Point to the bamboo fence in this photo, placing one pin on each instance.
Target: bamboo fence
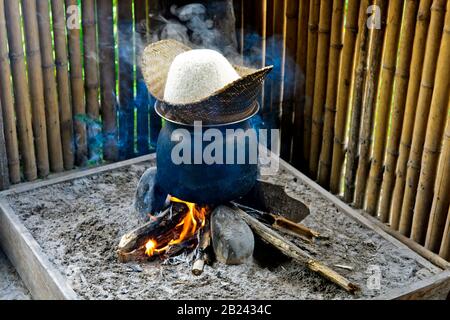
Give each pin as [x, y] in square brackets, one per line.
[402, 75]
[419, 45]
[320, 84]
[54, 132]
[369, 104]
[357, 101]
[344, 91]
[361, 110]
[422, 112]
[324, 166]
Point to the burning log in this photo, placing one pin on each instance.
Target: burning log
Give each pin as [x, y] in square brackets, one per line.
[294, 252]
[134, 241]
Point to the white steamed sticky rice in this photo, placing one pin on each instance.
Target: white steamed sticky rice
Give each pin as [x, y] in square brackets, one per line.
[196, 74]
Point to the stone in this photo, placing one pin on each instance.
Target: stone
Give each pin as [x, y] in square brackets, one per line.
[232, 238]
[149, 198]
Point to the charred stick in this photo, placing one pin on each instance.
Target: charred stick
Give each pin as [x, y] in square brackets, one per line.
[282, 224]
[203, 256]
[291, 250]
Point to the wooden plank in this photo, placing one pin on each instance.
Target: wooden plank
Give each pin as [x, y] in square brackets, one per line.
[436, 287]
[370, 223]
[39, 275]
[74, 174]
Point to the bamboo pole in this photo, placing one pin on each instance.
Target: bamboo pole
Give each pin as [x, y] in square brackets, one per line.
[141, 30]
[278, 52]
[431, 148]
[77, 85]
[398, 106]
[358, 92]
[369, 103]
[384, 104]
[291, 17]
[91, 79]
[313, 25]
[441, 199]
[21, 90]
[126, 103]
[420, 40]
[155, 120]
[343, 94]
[62, 75]
[50, 88]
[320, 90]
[4, 171]
[299, 95]
[331, 94]
[36, 85]
[7, 101]
[422, 112]
[444, 252]
[266, 114]
[107, 78]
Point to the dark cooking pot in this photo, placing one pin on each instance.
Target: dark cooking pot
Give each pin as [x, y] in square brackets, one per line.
[204, 183]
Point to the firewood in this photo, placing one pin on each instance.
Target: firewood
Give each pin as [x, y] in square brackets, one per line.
[157, 228]
[294, 252]
[203, 256]
[283, 224]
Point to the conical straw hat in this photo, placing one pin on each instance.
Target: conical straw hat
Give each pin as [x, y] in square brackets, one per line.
[233, 102]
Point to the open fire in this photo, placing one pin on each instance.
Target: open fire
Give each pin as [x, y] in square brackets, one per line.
[194, 221]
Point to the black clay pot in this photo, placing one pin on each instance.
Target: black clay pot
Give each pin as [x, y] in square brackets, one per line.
[198, 180]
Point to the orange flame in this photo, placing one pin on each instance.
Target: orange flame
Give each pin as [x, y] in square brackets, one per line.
[194, 220]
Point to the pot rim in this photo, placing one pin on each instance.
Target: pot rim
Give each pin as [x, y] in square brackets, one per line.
[255, 111]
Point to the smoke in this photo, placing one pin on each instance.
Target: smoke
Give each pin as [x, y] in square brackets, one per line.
[211, 26]
[200, 26]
